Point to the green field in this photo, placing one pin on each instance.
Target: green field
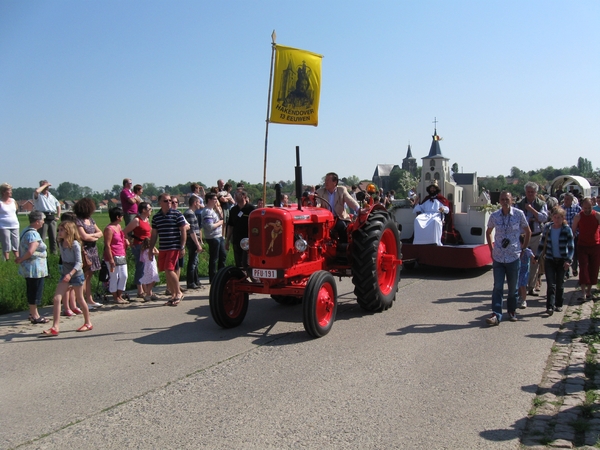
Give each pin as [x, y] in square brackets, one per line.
[12, 286]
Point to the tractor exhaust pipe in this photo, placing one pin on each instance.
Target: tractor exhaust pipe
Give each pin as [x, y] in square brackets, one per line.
[298, 179]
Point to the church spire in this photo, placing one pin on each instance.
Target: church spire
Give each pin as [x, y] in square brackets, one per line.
[435, 149]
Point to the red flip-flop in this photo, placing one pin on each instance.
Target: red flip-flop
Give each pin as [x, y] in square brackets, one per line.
[85, 327]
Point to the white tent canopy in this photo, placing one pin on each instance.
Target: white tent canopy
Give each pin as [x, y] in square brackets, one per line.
[571, 183]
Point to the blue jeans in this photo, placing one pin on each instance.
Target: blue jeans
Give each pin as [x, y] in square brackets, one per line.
[216, 256]
[510, 271]
[136, 250]
[191, 276]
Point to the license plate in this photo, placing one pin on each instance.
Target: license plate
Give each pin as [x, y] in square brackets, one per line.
[264, 273]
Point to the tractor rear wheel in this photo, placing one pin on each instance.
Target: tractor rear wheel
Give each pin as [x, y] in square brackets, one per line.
[228, 307]
[376, 249]
[319, 304]
[287, 299]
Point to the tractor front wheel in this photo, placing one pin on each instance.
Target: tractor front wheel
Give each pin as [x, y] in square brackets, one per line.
[319, 304]
[228, 307]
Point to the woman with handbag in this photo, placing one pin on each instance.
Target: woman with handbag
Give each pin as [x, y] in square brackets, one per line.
[89, 234]
[557, 244]
[115, 248]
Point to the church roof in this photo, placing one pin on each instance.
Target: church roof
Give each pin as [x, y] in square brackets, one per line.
[435, 151]
[383, 170]
[409, 153]
[464, 178]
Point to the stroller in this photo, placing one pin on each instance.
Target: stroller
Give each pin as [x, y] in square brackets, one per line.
[103, 294]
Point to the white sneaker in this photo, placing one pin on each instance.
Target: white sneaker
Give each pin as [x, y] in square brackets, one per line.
[492, 320]
[523, 304]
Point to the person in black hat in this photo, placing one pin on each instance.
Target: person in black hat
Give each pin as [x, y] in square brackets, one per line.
[430, 214]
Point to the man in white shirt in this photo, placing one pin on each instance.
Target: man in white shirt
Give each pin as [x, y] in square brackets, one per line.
[45, 202]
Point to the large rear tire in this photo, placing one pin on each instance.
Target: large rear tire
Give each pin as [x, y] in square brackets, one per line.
[227, 307]
[319, 304]
[376, 248]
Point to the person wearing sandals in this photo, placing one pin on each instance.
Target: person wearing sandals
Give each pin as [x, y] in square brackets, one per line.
[115, 251]
[139, 229]
[170, 225]
[89, 234]
[557, 246]
[69, 245]
[33, 264]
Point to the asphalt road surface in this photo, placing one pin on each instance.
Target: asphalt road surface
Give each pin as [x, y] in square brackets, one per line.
[426, 374]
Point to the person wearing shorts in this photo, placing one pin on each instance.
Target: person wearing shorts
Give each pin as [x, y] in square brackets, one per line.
[170, 226]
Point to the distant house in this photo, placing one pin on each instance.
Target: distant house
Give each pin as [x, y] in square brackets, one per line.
[67, 205]
[25, 205]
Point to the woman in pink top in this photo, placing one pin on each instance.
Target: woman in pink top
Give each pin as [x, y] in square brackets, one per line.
[115, 248]
[587, 222]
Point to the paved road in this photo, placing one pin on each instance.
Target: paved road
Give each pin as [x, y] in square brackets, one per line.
[425, 374]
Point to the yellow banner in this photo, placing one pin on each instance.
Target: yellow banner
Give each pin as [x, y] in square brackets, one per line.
[296, 87]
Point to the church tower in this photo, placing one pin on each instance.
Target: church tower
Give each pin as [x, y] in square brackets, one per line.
[436, 170]
[409, 163]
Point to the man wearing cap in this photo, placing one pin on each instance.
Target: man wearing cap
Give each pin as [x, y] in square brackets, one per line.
[45, 202]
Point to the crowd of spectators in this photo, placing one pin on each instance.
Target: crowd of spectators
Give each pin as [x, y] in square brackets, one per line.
[132, 229]
[562, 234]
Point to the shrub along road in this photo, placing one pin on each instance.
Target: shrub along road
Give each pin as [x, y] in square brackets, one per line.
[428, 373]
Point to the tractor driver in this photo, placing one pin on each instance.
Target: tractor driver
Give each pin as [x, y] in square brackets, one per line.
[335, 199]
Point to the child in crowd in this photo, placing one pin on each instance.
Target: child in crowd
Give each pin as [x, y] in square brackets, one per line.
[69, 302]
[527, 256]
[150, 276]
[72, 275]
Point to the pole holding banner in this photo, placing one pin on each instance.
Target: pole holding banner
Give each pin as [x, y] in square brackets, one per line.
[273, 38]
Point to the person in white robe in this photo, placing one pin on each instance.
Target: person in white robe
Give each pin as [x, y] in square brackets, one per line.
[429, 221]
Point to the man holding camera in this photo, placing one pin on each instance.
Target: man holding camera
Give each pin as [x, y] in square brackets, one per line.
[536, 213]
[45, 202]
[509, 223]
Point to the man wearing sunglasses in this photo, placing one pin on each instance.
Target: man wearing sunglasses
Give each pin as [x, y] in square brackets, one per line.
[169, 228]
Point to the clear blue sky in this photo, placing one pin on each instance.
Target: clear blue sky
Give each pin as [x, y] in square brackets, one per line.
[175, 91]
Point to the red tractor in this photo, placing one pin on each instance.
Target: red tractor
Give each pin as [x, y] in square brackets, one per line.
[294, 255]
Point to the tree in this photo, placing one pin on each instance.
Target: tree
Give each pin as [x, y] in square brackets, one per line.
[22, 193]
[515, 172]
[402, 181]
[150, 190]
[69, 191]
[115, 191]
[584, 166]
[455, 168]
[351, 180]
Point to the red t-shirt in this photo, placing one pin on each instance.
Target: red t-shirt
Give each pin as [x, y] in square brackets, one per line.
[589, 230]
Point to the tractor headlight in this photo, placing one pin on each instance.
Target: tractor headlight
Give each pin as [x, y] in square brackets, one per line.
[301, 245]
[245, 244]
